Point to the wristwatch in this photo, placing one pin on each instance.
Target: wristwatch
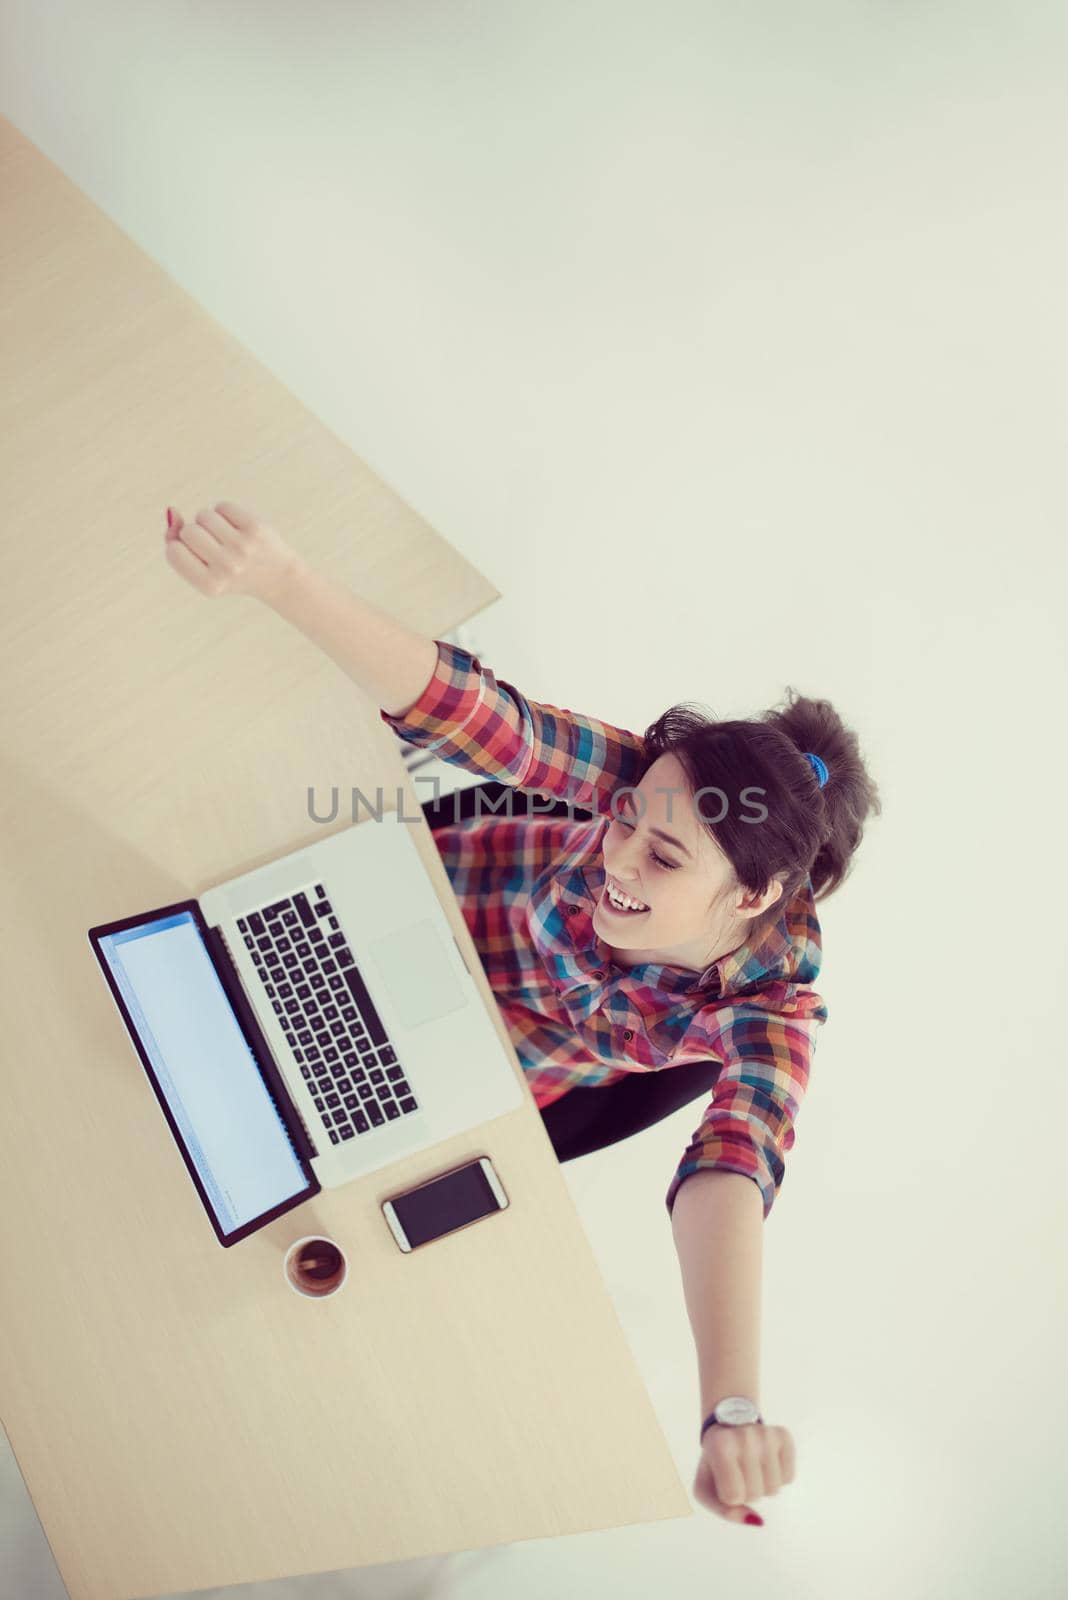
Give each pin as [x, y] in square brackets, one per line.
[734, 1411]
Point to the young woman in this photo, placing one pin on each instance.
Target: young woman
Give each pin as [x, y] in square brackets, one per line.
[679, 925]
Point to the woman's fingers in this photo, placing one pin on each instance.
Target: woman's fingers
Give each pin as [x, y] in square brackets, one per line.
[221, 530]
[235, 514]
[235, 552]
[190, 566]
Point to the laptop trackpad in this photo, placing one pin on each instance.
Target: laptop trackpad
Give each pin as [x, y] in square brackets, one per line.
[416, 970]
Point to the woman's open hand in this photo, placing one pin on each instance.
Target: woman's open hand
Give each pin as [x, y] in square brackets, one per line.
[741, 1464]
[229, 550]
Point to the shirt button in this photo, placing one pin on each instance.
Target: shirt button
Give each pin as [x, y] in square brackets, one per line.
[572, 911]
[598, 974]
[627, 1034]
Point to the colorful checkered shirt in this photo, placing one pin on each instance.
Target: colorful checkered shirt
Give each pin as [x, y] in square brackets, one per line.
[527, 887]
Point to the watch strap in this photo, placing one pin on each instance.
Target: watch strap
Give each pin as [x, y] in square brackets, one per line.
[712, 1421]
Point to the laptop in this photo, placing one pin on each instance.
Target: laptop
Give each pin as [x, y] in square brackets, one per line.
[307, 1023]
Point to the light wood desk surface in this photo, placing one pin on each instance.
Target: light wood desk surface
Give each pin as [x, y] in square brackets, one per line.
[180, 1417]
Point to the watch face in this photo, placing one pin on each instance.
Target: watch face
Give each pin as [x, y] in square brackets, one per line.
[737, 1410]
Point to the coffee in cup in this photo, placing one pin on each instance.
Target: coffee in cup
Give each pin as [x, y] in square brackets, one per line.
[315, 1266]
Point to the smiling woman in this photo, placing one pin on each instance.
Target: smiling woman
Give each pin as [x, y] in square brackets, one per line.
[658, 852]
[722, 832]
[724, 827]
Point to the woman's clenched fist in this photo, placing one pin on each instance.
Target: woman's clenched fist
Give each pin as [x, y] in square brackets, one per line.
[229, 550]
[741, 1464]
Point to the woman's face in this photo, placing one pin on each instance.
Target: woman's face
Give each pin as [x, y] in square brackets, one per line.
[658, 851]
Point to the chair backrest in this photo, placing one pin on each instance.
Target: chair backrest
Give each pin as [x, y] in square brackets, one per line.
[587, 1118]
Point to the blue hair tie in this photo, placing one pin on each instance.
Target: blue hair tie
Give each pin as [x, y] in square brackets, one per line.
[819, 767]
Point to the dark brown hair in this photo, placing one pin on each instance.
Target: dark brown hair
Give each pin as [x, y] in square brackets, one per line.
[807, 830]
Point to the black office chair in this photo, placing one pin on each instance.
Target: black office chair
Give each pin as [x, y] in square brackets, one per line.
[585, 1118]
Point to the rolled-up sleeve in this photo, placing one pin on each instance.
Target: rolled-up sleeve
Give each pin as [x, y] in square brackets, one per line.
[467, 716]
[748, 1126]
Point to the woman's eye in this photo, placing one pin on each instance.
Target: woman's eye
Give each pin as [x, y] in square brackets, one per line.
[670, 866]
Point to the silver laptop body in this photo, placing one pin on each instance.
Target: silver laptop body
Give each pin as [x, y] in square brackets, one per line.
[424, 1060]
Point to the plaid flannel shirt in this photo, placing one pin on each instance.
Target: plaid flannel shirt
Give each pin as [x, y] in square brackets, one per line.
[527, 887]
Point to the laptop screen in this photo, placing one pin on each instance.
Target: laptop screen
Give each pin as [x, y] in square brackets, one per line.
[232, 1132]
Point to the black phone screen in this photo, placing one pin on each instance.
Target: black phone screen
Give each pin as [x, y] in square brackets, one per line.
[444, 1204]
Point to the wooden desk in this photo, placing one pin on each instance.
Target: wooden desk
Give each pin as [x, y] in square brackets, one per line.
[181, 1418]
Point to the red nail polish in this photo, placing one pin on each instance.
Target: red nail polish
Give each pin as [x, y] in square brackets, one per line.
[752, 1517]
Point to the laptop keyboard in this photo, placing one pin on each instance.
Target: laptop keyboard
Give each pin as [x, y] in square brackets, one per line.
[328, 1018]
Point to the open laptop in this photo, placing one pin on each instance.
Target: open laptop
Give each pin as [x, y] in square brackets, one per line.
[307, 1023]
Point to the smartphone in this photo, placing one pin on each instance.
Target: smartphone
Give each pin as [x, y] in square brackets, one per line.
[452, 1200]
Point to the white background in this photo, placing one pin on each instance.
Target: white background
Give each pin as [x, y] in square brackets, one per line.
[729, 341]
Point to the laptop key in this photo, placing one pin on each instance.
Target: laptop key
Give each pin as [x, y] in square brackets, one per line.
[386, 1055]
[374, 1111]
[360, 1121]
[348, 1131]
[392, 1111]
[364, 1005]
[352, 1101]
[408, 1105]
[255, 922]
[335, 1137]
[394, 1073]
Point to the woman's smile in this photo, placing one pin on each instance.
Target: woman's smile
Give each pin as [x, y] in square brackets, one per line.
[619, 911]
